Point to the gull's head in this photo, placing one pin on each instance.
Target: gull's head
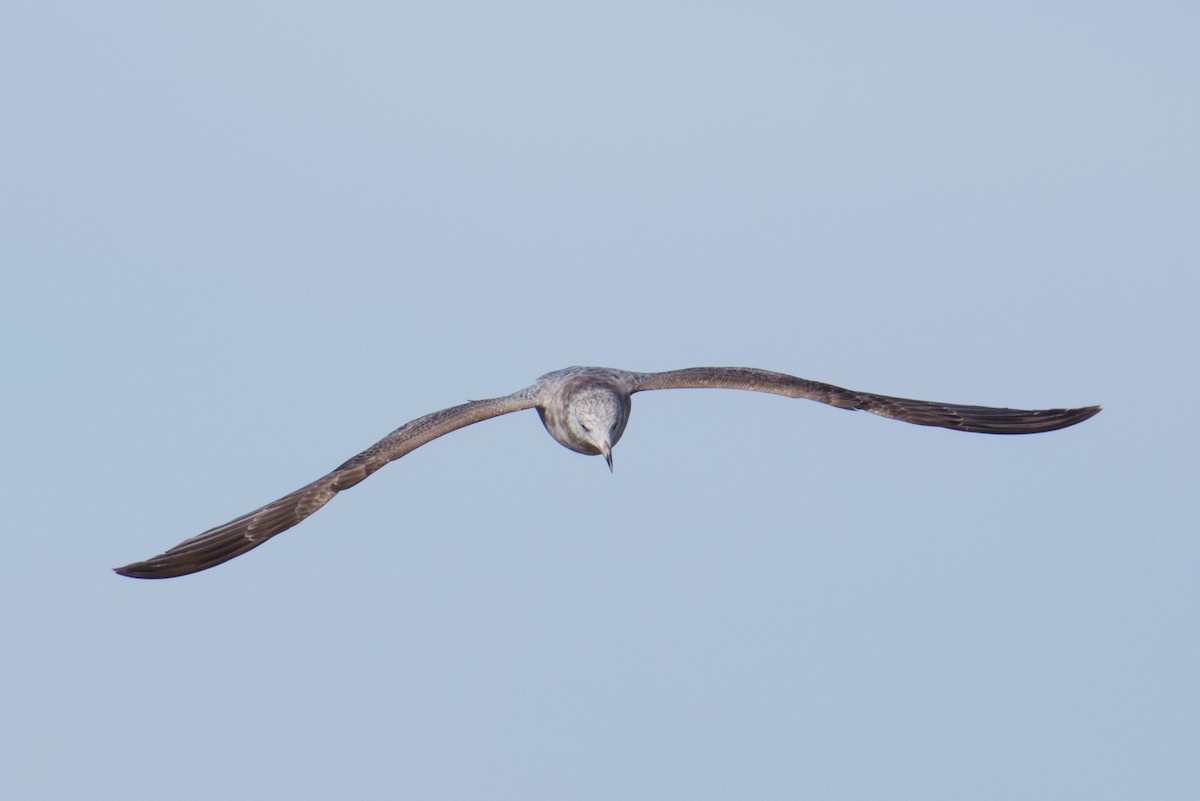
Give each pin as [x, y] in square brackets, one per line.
[599, 424]
[586, 413]
[596, 418]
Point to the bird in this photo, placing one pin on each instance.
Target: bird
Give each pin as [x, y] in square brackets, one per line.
[585, 409]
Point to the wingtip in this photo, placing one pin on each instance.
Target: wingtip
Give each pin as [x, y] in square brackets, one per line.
[1065, 418]
[152, 569]
[1056, 419]
[134, 570]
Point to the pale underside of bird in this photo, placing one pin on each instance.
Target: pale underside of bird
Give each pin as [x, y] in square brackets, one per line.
[585, 409]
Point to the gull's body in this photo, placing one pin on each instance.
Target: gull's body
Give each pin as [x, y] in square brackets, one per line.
[585, 409]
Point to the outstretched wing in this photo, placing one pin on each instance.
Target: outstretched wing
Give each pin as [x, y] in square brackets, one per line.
[239, 535]
[980, 419]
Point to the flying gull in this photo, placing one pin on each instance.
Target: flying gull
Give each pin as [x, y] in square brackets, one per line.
[585, 409]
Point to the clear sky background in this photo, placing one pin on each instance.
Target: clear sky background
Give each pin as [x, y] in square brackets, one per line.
[243, 241]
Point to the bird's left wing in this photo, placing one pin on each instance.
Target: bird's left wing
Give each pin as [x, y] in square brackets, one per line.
[979, 419]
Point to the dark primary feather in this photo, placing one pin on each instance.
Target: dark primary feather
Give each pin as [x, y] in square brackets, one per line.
[978, 419]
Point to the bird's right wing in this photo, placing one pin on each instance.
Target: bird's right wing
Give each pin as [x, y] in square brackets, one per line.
[979, 419]
[252, 529]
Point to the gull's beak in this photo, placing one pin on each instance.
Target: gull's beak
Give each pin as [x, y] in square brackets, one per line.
[606, 449]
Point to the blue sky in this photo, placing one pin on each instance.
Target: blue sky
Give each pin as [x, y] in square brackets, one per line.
[241, 242]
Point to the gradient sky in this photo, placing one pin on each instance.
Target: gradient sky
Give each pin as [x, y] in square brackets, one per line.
[243, 241]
